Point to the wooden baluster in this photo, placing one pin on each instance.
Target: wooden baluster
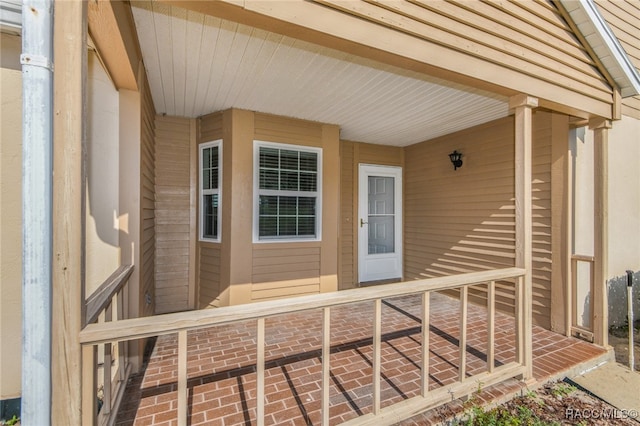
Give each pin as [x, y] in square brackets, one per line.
[462, 367]
[106, 366]
[122, 359]
[519, 320]
[592, 281]
[491, 325]
[89, 380]
[260, 341]
[570, 302]
[425, 342]
[326, 369]
[182, 378]
[377, 337]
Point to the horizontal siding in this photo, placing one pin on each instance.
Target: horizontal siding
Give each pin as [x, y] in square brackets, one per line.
[623, 17]
[209, 128]
[378, 154]
[148, 197]
[541, 189]
[464, 220]
[273, 128]
[279, 272]
[209, 276]
[286, 269]
[347, 260]
[529, 37]
[172, 213]
[352, 154]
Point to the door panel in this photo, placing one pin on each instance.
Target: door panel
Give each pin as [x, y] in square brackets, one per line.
[380, 233]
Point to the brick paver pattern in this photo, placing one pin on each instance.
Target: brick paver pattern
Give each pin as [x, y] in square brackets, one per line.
[222, 378]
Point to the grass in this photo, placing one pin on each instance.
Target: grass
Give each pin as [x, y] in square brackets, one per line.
[502, 417]
[521, 411]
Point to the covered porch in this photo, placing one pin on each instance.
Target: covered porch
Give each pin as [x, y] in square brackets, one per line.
[363, 356]
[495, 236]
[221, 365]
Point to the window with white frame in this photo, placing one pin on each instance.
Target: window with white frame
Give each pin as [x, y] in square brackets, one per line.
[210, 194]
[287, 202]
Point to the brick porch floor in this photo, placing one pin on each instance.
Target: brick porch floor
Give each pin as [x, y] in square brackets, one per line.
[222, 379]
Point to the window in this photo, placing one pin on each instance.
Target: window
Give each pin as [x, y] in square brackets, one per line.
[287, 202]
[210, 196]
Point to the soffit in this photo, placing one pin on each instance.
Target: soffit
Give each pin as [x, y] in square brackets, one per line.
[199, 64]
[11, 16]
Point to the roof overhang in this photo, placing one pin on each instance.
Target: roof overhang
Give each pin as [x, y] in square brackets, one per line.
[605, 45]
[197, 64]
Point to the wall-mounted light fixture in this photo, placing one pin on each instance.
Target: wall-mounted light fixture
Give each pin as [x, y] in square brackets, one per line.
[456, 159]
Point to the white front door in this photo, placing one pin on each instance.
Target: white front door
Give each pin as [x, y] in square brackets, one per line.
[379, 223]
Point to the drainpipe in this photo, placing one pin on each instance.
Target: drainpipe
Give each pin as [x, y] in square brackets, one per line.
[630, 313]
[37, 141]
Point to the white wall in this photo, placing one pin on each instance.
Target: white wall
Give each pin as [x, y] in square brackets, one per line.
[102, 235]
[624, 216]
[102, 238]
[582, 149]
[10, 217]
[624, 213]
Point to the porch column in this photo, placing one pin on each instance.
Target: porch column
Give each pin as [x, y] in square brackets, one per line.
[599, 302]
[69, 117]
[523, 105]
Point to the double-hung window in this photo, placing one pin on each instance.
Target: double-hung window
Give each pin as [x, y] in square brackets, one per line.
[287, 201]
[210, 194]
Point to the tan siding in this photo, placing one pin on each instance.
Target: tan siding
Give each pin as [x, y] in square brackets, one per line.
[463, 220]
[286, 269]
[541, 188]
[623, 17]
[379, 154]
[348, 277]
[274, 128]
[528, 37]
[209, 284]
[172, 213]
[210, 127]
[147, 192]
[279, 272]
[208, 254]
[352, 154]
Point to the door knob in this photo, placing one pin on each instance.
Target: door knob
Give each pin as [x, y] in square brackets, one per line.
[362, 223]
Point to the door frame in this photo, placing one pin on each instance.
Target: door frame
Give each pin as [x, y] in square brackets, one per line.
[364, 171]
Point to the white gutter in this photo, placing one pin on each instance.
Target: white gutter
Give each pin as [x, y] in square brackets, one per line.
[37, 188]
[591, 24]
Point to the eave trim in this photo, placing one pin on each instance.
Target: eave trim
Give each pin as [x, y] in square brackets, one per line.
[604, 44]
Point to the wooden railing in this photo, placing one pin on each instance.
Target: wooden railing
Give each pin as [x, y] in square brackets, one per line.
[576, 329]
[99, 310]
[181, 323]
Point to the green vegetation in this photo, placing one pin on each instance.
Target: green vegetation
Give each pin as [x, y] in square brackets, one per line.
[502, 417]
[525, 410]
[12, 421]
[562, 389]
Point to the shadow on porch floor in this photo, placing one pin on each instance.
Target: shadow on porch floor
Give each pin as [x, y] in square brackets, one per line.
[222, 378]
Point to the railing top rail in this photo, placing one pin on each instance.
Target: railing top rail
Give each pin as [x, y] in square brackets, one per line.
[101, 298]
[583, 257]
[138, 328]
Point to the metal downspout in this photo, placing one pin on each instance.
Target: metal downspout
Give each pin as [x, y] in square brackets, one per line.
[37, 165]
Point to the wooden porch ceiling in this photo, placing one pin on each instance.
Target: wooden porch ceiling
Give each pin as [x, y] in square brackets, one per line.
[199, 64]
